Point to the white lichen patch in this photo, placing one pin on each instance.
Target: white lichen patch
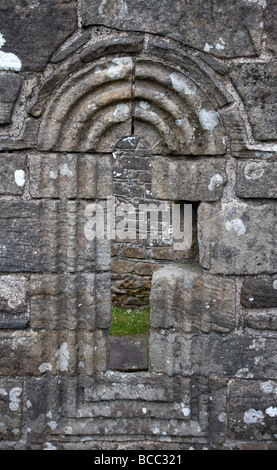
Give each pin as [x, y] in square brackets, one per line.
[46, 366]
[2, 40]
[185, 410]
[253, 416]
[120, 9]
[53, 175]
[52, 425]
[275, 284]
[254, 170]
[222, 417]
[14, 397]
[20, 178]
[183, 84]
[208, 47]
[8, 60]
[271, 411]
[237, 225]
[122, 112]
[220, 46]
[267, 387]
[215, 182]
[49, 446]
[62, 356]
[209, 120]
[116, 69]
[65, 171]
[144, 105]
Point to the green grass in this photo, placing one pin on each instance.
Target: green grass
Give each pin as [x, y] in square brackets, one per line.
[127, 322]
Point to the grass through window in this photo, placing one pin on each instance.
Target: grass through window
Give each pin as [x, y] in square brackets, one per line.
[127, 322]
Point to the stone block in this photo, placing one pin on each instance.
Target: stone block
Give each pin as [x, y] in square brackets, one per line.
[70, 301]
[170, 353]
[259, 293]
[270, 30]
[252, 410]
[50, 236]
[21, 24]
[236, 238]
[256, 179]
[126, 45]
[188, 180]
[256, 85]
[140, 386]
[13, 294]
[70, 176]
[11, 394]
[128, 354]
[260, 320]
[251, 355]
[35, 353]
[12, 174]
[198, 25]
[134, 252]
[10, 84]
[186, 299]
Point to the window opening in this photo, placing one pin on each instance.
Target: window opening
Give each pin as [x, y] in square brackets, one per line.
[142, 243]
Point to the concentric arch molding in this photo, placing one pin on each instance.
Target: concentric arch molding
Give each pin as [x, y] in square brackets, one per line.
[127, 86]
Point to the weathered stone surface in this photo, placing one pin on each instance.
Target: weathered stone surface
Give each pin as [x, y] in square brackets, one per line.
[33, 353]
[49, 236]
[260, 320]
[117, 386]
[186, 299]
[70, 301]
[12, 174]
[171, 353]
[127, 45]
[251, 355]
[256, 179]
[236, 238]
[10, 84]
[259, 293]
[188, 180]
[74, 46]
[159, 427]
[97, 99]
[199, 25]
[256, 85]
[192, 66]
[70, 176]
[14, 324]
[13, 294]
[173, 114]
[128, 353]
[252, 412]
[26, 138]
[22, 23]
[11, 394]
[271, 12]
[134, 252]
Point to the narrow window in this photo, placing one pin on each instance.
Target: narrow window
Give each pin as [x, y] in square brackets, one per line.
[142, 243]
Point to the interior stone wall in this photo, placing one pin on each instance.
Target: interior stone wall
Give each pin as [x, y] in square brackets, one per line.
[202, 96]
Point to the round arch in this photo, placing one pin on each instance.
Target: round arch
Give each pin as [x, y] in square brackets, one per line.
[158, 92]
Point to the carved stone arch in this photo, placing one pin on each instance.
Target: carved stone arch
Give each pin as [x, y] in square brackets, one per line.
[121, 87]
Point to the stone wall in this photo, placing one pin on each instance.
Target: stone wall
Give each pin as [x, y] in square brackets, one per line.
[193, 88]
